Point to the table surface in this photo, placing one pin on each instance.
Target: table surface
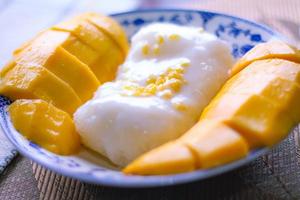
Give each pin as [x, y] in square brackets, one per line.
[273, 176]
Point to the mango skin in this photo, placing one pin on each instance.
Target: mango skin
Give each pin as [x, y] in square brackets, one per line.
[44, 124]
[32, 82]
[270, 49]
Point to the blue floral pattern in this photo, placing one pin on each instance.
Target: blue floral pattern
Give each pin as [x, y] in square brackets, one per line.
[242, 35]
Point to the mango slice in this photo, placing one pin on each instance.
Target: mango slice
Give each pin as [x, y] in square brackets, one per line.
[32, 82]
[43, 46]
[60, 62]
[214, 143]
[207, 144]
[21, 114]
[255, 117]
[105, 67]
[111, 28]
[271, 49]
[44, 124]
[87, 33]
[170, 158]
[73, 72]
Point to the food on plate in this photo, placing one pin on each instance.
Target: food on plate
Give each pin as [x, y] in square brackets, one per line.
[256, 107]
[147, 118]
[77, 54]
[46, 125]
[271, 49]
[169, 76]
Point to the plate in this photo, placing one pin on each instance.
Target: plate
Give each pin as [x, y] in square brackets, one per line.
[93, 168]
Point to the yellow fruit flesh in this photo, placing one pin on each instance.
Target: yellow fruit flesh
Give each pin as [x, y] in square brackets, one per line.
[255, 117]
[256, 99]
[83, 52]
[214, 143]
[21, 114]
[105, 67]
[271, 49]
[51, 128]
[87, 33]
[111, 28]
[46, 44]
[170, 158]
[25, 82]
[60, 62]
[72, 71]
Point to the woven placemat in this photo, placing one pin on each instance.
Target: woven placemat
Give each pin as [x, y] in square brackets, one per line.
[18, 182]
[273, 176]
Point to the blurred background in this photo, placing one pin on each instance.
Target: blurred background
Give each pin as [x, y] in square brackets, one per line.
[22, 19]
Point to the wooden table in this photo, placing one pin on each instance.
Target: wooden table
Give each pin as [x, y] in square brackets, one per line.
[274, 176]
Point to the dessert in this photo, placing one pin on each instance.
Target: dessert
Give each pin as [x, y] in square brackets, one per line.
[171, 73]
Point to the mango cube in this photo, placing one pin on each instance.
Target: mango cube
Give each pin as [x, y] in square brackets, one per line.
[44, 124]
[31, 82]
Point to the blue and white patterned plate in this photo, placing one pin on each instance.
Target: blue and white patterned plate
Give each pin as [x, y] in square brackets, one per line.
[90, 167]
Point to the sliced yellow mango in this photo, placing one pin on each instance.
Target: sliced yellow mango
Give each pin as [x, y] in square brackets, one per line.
[51, 128]
[32, 82]
[170, 158]
[111, 28]
[44, 45]
[75, 73]
[271, 49]
[255, 117]
[82, 51]
[105, 68]
[214, 143]
[21, 114]
[87, 33]
[60, 62]
[278, 83]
